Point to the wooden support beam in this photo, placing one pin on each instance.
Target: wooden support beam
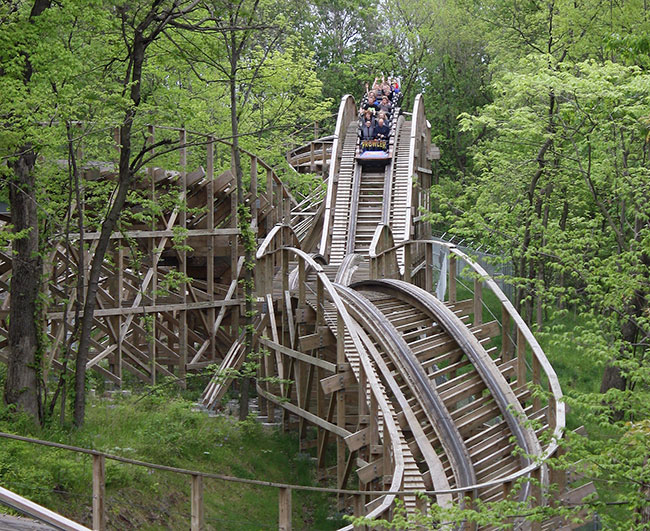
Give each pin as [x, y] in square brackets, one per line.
[478, 301]
[506, 342]
[428, 268]
[322, 338]
[292, 408]
[338, 381]
[357, 440]
[452, 278]
[371, 471]
[297, 354]
[521, 358]
[99, 493]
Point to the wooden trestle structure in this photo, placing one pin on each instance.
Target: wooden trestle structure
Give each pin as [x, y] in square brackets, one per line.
[378, 345]
[149, 322]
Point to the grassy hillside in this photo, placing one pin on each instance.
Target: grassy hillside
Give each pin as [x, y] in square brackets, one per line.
[163, 429]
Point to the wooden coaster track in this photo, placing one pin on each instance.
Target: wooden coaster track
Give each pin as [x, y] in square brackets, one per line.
[417, 390]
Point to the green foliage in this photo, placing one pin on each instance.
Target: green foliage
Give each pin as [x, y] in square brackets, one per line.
[559, 183]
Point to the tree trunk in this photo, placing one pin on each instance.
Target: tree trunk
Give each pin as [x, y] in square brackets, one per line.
[124, 184]
[23, 371]
[612, 376]
[248, 257]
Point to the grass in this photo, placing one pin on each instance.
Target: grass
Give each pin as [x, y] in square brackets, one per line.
[164, 429]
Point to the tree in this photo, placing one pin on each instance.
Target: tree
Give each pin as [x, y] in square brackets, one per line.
[141, 25]
[561, 185]
[23, 26]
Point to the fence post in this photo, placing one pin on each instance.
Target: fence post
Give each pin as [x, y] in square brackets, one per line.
[197, 503]
[284, 513]
[521, 358]
[99, 476]
[452, 278]
[428, 272]
[478, 301]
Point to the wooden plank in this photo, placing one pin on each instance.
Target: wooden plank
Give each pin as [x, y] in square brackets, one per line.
[357, 440]
[297, 355]
[34, 510]
[99, 492]
[168, 233]
[371, 471]
[341, 432]
[322, 338]
[160, 308]
[197, 514]
[284, 509]
[338, 381]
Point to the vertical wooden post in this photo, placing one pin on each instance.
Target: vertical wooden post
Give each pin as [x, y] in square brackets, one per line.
[154, 262]
[321, 449]
[521, 358]
[198, 522]
[320, 308]
[536, 495]
[268, 361]
[270, 216]
[469, 498]
[537, 380]
[558, 475]
[120, 298]
[340, 406]
[452, 278]
[428, 262]
[507, 489]
[284, 506]
[183, 255]
[302, 280]
[408, 263]
[286, 207]
[234, 257]
[254, 193]
[359, 509]
[506, 342]
[478, 301]
[323, 164]
[99, 486]
[210, 251]
[551, 416]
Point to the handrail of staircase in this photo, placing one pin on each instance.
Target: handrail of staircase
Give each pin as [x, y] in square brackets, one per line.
[34, 510]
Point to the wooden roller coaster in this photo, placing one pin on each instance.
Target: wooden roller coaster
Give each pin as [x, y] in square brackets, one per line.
[370, 342]
[378, 344]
